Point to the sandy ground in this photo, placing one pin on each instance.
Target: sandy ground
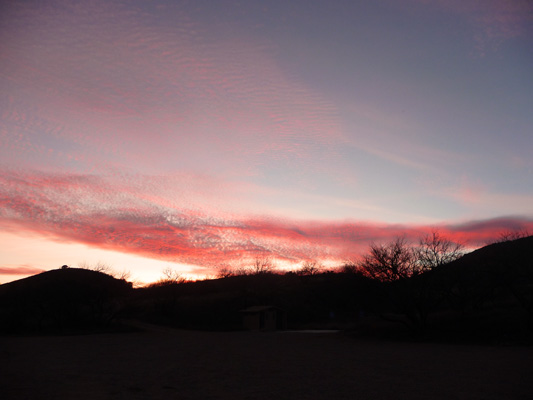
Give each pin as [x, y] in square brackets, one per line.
[172, 364]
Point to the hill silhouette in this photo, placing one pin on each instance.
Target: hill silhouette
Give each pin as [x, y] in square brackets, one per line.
[486, 295]
[61, 300]
[490, 291]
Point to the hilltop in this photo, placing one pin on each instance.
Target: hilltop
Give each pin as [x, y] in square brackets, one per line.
[62, 300]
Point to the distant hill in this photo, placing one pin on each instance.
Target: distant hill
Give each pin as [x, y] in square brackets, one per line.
[519, 251]
[61, 300]
[505, 264]
[489, 292]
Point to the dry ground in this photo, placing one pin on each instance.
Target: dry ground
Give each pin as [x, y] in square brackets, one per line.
[174, 364]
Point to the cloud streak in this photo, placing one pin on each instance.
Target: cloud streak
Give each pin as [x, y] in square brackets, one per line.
[99, 95]
[20, 270]
[90, 210]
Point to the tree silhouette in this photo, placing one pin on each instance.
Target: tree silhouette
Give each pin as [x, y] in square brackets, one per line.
[171, 276]
[309, 268]
[390, 262]
[407, 276]
[262, 265]
[435, 250]
[224, 271]
[511, 235]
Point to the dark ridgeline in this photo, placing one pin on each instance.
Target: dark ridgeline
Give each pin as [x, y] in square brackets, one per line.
[62, 300]
[489, 293]
[486, 295]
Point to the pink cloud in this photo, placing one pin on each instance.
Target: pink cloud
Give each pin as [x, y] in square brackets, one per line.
[89, 210]
[20, 270]
[467, 192]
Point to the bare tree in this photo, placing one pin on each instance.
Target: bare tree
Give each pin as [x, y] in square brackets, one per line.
[510, 235]
[242, 271]
[224, 272]
[123, 275]
[405, 269]
[170, 276]
[100, 266]
[263, 265]
[104, 268]
[399, 260]
[309, 268]
[435, 250]
[390, 262]
[350, 267]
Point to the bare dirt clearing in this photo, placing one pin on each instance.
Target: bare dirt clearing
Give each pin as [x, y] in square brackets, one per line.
[174, 364]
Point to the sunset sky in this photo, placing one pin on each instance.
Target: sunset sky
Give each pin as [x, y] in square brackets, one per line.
[201, 134]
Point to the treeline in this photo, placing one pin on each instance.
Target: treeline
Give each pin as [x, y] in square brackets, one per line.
[428, 289]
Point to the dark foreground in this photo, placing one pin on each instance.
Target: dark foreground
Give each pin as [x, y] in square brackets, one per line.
[163, 363]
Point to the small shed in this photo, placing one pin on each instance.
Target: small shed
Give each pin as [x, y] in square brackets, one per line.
[264, 318]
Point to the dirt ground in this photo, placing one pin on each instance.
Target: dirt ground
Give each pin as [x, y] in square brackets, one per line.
[163, 363]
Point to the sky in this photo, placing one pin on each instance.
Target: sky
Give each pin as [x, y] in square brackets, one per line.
[199, 135]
